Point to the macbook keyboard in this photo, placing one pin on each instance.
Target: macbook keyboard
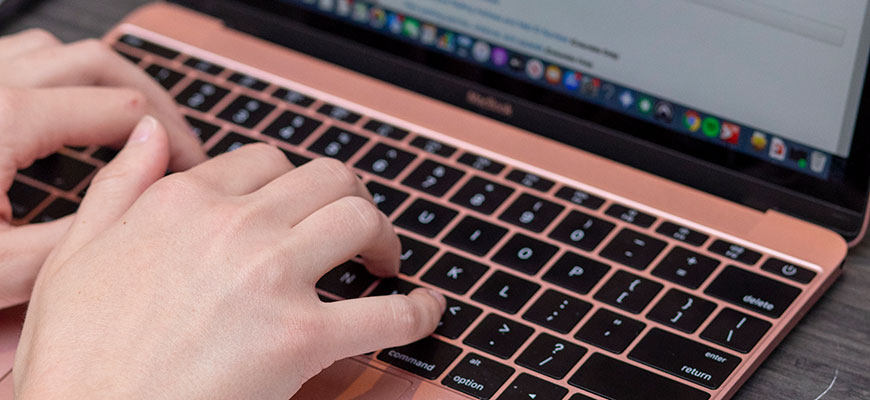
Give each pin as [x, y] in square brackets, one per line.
[553, 292]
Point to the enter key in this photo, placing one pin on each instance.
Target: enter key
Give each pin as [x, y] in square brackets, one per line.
[685, 358]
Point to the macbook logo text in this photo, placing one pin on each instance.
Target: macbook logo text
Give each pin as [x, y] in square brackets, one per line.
[489, 103]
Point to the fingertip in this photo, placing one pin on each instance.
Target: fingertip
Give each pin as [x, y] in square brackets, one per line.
[434, 303]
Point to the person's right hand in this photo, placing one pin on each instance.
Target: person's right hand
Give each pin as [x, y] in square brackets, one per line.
[203, 287]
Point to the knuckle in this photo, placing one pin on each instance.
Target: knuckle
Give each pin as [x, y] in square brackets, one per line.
[337, 172]
[135, 100]
[172, 189]
[407, 315]
[94, 48]
[269, 154]
[362, 213]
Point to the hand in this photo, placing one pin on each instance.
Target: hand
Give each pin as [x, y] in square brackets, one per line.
[203, 287]
[53, 95]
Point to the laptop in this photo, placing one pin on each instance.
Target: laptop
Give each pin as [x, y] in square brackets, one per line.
[620, 200]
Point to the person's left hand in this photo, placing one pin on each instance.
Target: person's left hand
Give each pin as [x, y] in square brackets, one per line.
[54, 95]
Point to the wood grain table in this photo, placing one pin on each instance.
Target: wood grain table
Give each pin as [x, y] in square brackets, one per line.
[827, 353]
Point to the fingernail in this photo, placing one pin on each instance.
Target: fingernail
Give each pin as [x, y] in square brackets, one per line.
[143, 130]
[438, 296]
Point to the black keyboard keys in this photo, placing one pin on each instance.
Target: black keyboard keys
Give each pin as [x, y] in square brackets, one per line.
[427, 357]
[607, 377]
[530, 180]
[232, 141]
[150, 47]
[735, 252]
[291, 127]
[104, 154]
[582, 231]
[610, 331]
[339, 113]
[433, 178]
[60, 171]
[628, 292]
[525, 254]
[201, 95]
[246, 111]
[57, 209]
[433, 147]
[551, 356]
[338, 143]
[685, 267]
[684, 358]
[386, 198]
[788, 270]
[348, 280]
[390, 286]
[164, 76]
[386, 130]
[577, 273]
[481, 195]
[681, 310]
[203, 130]
[557, 311]
[454, 273]
[457, 317]
[478, 376]
[481, 163]
[682, 234]
[385, 161]
[295, 159]
[248, 81]
[752, 291]
[633, 249]
[531, 213]
[580, 198]
[204, 66]
[527, 387]
[24, 199]
[293, 97]
[474, 236]
[631, 215]
[736, 330]
[414, 255]
[425, 218]
[505, 292]
[498, 336]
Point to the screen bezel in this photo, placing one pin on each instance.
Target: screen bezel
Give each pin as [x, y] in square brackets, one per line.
[839, 206]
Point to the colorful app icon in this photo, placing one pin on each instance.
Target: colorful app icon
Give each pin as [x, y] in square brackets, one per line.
[626, 99]
[517, 63]
[710, 126]
[535, 69]
[429, 34]
[481, 51]
[777, 149]
[758, 141]
[463, 45]
[343, 8]
[590, 86]
[692, 121]
[799, 156]
[411, 28]
[818, 160]
[394, 23]
[664, 112]
[730, 133]
[499, 56]
[360, 12]
[644, 105]
[553, 75]
[379, 18]
[446, 42]
[571, 80]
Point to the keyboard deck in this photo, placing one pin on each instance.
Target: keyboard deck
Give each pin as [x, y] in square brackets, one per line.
[553, 292]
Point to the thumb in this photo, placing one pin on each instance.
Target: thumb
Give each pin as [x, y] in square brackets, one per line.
[22, 252]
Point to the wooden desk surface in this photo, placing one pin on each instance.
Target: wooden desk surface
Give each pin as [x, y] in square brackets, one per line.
[831, 344]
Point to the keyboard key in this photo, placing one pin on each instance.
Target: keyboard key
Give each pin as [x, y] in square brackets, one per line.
[24, 199]
[425, 218]
[531, 212]
[248, 81]
[386, 198]
[498, 336]
[481, 163]
[681, 310]
[414, 255]
[295, 159]
[386, 130]
[628, 291]
[580, 198]
[457, 317]
[684, 358]
[60, 171]
[104, 154]
[527, 387]
[133, 59]
[338, 143]
[57, 209]
[164, 76]
[685, 267]
[735, 252]
[204, 66]
[433, 178]
[348, 280]
[391, 286]
[454, 273]
[339, 113]
[293, 97]
[203, 130]
[505, 292]
[582, 231]
[385, 161]
[481, 195]
[433, 147]
[631, 215]
[474, 236]
[291, 127]
[752, 291]
[610, 331]
[427, 357]
[551, 356]
[142, 44]
[525, 254]
[579, 396]
[633, 249]
[246, 111]
[478, 376]
[232, 141]
[788, 270]
[201, 95]
[607, 378]
[682, 234]
[557, 311]
[736, 330]
[530, 180]
[576, 273]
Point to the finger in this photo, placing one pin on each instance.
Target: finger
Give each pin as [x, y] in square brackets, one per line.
[339, 231]
[244, 170]
[92, 62]
[116, 186]
[358, 326]
[24, 42]
[24, 250]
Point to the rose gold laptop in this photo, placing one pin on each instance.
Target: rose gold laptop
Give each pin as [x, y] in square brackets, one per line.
[620, 200]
